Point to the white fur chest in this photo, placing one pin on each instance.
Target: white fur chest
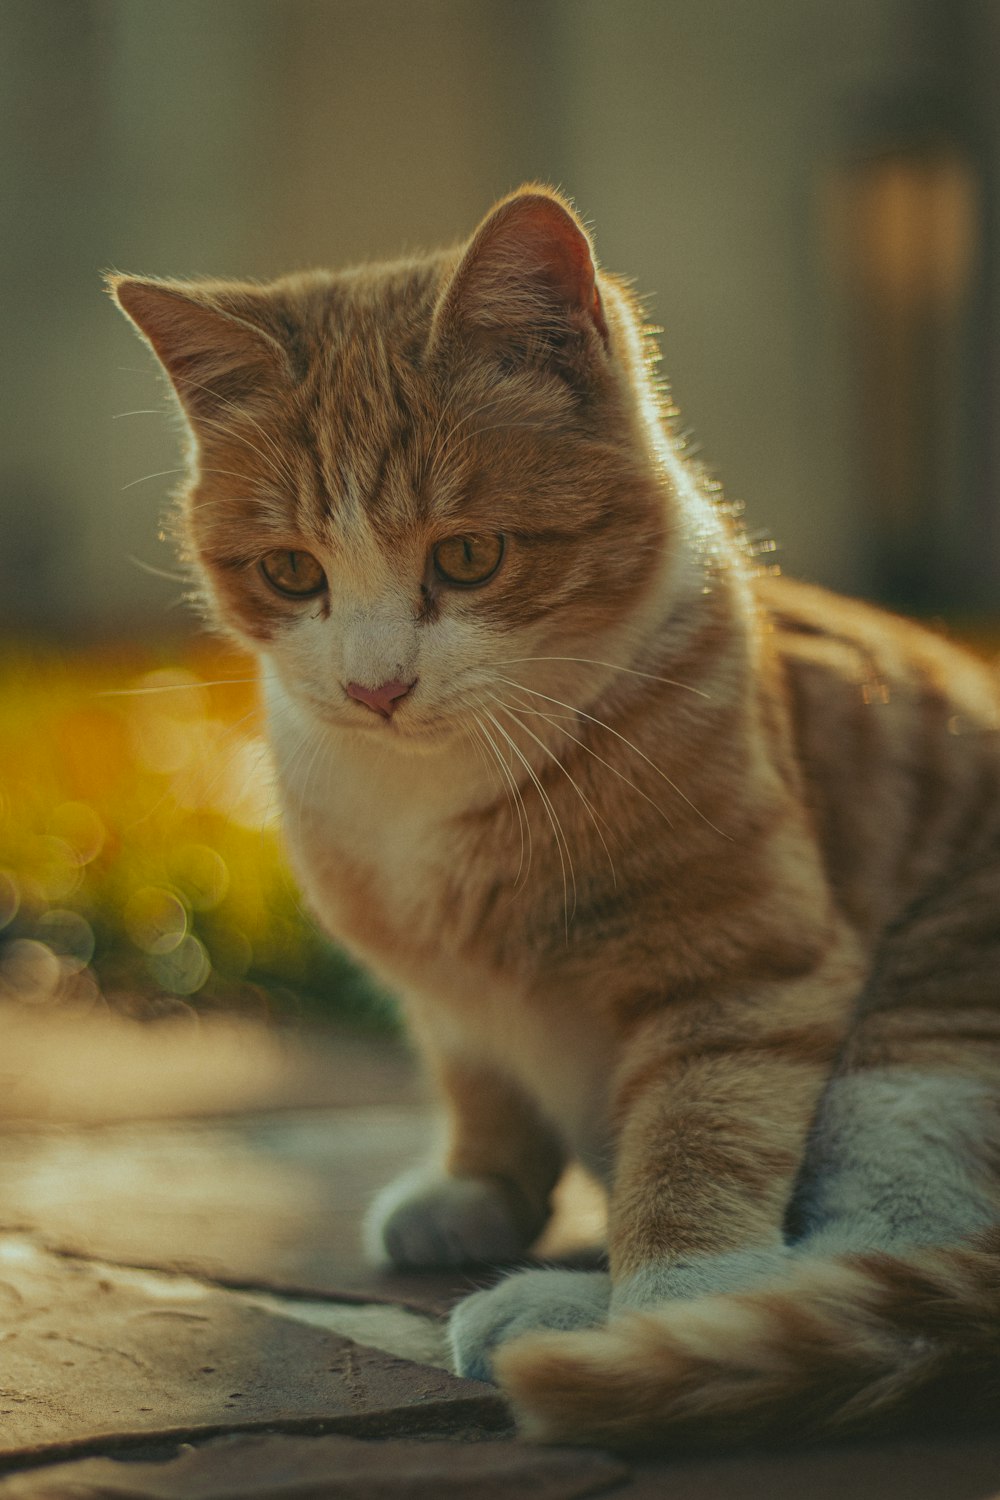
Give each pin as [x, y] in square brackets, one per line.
[358, 816]
[352, 805]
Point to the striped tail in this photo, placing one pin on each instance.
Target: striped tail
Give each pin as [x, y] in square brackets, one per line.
[863, 1344]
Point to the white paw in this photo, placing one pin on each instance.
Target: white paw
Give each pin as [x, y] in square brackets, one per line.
[425, 1220]
[700, 1276]
[564, 1300]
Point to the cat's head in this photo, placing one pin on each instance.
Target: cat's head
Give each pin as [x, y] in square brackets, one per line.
[406, 477]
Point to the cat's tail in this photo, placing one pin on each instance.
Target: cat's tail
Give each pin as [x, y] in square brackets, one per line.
[846, 1346]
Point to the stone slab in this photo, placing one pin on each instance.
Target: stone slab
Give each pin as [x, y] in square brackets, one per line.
[330, 1468]
[273, 1467]
[91, 1357]
[957, 1468]
[412, 1334]
[271, 1201]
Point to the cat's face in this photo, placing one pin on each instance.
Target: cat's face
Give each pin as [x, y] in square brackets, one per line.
[413, 481]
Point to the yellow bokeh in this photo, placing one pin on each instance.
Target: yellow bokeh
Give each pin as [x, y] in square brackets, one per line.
[139, 849]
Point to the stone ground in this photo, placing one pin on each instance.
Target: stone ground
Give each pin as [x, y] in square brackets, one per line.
[184, 1311]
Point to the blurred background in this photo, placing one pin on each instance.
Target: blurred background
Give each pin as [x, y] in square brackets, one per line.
[805, 192]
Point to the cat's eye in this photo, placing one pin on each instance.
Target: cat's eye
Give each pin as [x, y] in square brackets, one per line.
[468, 560]
[294, 573]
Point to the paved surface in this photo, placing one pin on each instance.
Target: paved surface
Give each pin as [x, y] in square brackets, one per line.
[184, 1312]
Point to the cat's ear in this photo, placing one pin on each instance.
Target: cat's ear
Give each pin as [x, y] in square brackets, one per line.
[527, 286]
[212, 350]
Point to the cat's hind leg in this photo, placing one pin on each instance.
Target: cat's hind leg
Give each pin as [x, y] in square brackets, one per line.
[898, 1160]
[905, 1149]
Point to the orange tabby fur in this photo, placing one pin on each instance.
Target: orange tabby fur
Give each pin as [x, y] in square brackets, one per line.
[655, 848]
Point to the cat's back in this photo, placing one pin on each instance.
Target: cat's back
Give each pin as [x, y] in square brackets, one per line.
[897, 732]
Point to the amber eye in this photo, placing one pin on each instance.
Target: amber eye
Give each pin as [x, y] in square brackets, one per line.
[466, 560]
[297, 574]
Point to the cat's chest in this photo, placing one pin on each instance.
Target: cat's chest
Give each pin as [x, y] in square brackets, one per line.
[368, 847]
[377, 857]
[379, 840]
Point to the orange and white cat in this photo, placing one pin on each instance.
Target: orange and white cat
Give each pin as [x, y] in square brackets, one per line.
[689, 874]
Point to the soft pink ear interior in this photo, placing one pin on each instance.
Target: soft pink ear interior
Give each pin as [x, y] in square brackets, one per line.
[530, 259]
[197, 342]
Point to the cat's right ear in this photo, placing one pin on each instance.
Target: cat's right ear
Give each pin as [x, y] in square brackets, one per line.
[212, 355]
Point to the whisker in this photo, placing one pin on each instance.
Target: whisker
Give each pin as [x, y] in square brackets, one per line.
[557, 828]
[230, 432]
[559, 718]
[157, 474]
[469, 733]
[282, 470]
[515, 799]
[314, 767]
[158, 572]
[230, 473]
[588, 805]
[593, 662]
[627, 742]
[173, 687]
[275, 460]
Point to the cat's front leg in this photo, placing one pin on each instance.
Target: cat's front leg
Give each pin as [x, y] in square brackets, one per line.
[714, 1100]
[713, 1104]
[557, 1300]
[489, 1198]
[709, 1140]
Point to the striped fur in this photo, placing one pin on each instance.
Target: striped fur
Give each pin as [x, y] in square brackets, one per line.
[688, 873]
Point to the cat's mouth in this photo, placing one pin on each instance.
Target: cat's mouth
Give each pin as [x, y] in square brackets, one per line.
[407, 736]
[404, 728]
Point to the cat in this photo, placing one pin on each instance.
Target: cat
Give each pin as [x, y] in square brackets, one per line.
[682, 870]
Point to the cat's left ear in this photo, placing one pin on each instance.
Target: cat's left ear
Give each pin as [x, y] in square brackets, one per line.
[209, 338]
[527, 286]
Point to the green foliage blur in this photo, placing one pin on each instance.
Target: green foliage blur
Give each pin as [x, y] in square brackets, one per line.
[140, 857]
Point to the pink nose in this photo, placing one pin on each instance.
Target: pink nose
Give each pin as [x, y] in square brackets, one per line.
[381, 700]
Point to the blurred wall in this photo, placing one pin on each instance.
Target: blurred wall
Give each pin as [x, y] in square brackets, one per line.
[701, 138]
